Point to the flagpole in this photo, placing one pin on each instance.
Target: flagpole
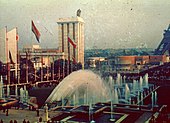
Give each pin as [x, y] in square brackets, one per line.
[18, 69]
[37, 35]
[59, 68]
[48, 68]
[41, 68]
[63, 68]
[35, 53]
[18, 59]
[35, 67]
[26, 67]
[35, 61]
[8, 64]
[53, 69]
[68, 62]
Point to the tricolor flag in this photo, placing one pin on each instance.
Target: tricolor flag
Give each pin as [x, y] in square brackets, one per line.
[36, 32]
[71, 42]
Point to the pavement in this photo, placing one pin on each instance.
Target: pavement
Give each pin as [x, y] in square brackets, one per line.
[26, 114]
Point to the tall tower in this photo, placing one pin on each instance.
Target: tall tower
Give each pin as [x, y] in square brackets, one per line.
[164, 46]
[72, 28]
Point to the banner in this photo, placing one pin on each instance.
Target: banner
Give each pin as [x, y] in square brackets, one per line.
[36, 32]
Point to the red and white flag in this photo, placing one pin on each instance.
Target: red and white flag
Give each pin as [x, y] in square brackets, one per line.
[36, 32]
[71, 42]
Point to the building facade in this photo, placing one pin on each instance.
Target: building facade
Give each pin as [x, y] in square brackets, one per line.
[72, 28]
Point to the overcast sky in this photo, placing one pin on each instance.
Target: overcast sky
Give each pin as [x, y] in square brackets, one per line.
[108, 23]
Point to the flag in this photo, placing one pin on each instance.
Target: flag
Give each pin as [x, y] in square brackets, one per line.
[10, 57]
[71, 42]
[17, 37]
[36, 32]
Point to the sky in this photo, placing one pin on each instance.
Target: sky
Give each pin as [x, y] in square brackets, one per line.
[108, 23]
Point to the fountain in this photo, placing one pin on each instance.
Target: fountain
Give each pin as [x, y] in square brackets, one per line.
[80, 83]
[118, 79]
[84, 98]
[26, 96]
[134, 86]
[110, 81]
[124, 78]
[140, 82]
[46, 112]
[116, 99]
[127, 92]
[16, 90]
[155, 97]
[8, 91]
[85, 87]
[152, 98]
[74, 99]
[141, 98]
[87, 93]
[21, 95]
[146, 80]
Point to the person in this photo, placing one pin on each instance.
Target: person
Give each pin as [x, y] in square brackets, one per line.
[40, 119]
[24, 121]
[15, 121]
[38, 112]
[28, 121]
[1, 121]
[3, 110]
[7, 112]
[11, 121]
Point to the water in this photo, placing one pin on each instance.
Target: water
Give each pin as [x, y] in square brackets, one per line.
[111, 84]
[146, 79]
[155, 98]
[118, 80]
[86, 87]
[140, 82]
[16, 90]
[81, 83]
[116, 99]
[134, 86]
[21, 95]
[141, 98]
[8, 91]
[127, 92]
[152, 97]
